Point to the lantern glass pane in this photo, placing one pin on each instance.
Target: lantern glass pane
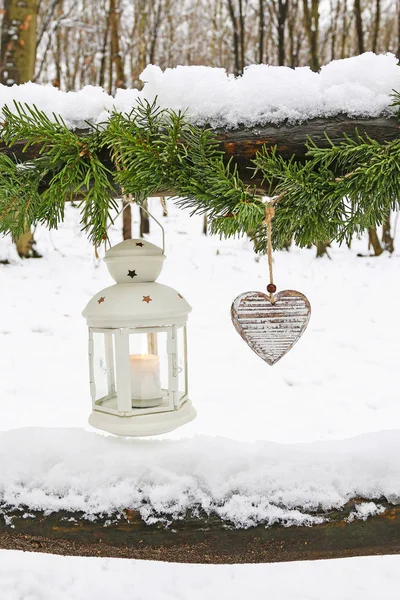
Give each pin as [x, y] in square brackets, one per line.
[182, 363]
[163, 354]
[148, 367]
[103, 365]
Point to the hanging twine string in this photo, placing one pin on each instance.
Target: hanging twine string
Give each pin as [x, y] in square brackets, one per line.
[269, 215]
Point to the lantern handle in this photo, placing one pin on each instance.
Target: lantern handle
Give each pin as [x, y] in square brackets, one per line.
[148, 214]
[158, 223]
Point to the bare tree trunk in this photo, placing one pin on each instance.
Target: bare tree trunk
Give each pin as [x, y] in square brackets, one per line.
[334, 28]
[18, 41]
[373, 241]
[282, 14]
[74, 81]
[126, 220]
[154, 33]
[17, 65]
[235, 30]
[117, 62]
[398, 30]
[344, 30]
[58, 55]
[25, 245]
[102, 71]
[322, 249]
[388, 241]
[377, 22]
[205, 225]
[359, 27]
[67, 59]
[164, 206]
[261, 28]
[242, 35]
[110, 70]
[46, 20]
[311, 23]
[292, 20]
[139, 39]
[144, 220]
[116, 56]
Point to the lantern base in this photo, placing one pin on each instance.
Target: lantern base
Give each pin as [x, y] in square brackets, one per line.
[143, 425]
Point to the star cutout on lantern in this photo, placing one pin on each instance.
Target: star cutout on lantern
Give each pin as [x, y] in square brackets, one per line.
[100, 300]
[147, 299]
[139, 244]
[132, 274]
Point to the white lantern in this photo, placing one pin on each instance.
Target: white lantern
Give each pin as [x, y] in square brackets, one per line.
[138, 346]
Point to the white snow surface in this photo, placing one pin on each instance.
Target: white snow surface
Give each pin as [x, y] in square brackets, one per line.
[359, 87]
[363, 510]
[269, 443]
[26, 576]
[244, 483]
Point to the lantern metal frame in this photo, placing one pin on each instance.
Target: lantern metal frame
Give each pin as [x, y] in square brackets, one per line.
[137, 305]
[118, 400]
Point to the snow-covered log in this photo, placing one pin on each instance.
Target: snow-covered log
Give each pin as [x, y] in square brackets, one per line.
[241, 144]
[276, 106]
[199, 499]
[203, 539]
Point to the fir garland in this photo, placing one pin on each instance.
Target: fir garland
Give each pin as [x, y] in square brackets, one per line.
[338, 192]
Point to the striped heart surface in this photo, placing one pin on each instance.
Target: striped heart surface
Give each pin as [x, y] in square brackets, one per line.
[271, 329]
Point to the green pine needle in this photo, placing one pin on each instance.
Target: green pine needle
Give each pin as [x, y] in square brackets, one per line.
[338, 192]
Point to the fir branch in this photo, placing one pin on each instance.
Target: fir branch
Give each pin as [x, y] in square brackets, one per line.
[70, 166]
[18, 196]
[338, 192]
[159, 151]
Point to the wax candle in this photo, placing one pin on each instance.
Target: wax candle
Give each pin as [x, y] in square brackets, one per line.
[145, 380]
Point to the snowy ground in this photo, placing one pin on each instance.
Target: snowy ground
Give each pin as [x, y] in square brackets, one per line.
[339, 381]
[39, 577]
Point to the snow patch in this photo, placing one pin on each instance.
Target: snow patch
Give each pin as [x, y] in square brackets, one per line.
[8, 251]
[364, 510]
[244, 483]
[36, 576]
[359, 87]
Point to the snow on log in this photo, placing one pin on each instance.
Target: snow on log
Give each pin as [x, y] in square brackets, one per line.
[199, 499]
[359, 87]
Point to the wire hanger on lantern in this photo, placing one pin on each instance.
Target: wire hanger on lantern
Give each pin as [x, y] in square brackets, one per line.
[148, 213]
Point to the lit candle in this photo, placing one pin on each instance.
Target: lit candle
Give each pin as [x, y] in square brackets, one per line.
[145, 380]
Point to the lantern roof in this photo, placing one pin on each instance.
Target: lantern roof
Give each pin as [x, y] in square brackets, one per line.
[136, 247]
[134, 261]
[147, 304]
[136, 300]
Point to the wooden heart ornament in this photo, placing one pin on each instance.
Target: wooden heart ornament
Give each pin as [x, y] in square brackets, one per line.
[271, 329]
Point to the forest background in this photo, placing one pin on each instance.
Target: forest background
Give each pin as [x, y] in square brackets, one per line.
[73, 43]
